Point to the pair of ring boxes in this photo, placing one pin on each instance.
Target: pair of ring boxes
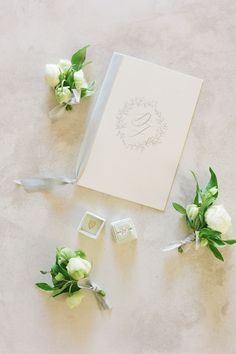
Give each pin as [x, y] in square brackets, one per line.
[91, 226]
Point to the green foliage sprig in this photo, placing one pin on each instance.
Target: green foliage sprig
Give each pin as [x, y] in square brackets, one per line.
[208, 222]
[69, 275]
[67, 79]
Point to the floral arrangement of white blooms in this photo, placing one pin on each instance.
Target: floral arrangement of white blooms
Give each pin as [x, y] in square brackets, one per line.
[209, 222]
[68, 81]
[70, 275]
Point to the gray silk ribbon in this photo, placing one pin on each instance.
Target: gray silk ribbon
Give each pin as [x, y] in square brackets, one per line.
[87, 284]
[42, 184]
[39, 184]
[176, 244]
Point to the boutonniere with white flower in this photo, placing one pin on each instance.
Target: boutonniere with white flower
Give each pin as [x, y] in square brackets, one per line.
[70, 278]
[68, 82]
[209, 222]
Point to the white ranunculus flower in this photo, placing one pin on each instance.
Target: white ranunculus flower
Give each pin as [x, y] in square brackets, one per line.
[78, 268]
[75, 299]
[192, 211]
[218, 219]
[52, 73]
[80, 81]
[64, 65]
[63, 94]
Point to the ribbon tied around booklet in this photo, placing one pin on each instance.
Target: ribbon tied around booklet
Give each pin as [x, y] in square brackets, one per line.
[130, 130]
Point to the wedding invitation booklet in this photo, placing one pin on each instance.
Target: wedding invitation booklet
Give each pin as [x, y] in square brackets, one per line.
[137, 131]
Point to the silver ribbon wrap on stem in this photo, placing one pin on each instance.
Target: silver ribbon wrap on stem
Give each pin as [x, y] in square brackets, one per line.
[99, 294]
[176, 244]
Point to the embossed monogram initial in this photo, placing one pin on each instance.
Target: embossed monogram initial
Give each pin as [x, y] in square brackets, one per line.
[141, 124]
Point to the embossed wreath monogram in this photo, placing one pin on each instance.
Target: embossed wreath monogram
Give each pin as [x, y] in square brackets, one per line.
[140, 124]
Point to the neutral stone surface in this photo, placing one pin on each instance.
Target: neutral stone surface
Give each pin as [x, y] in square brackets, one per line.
[162, 303]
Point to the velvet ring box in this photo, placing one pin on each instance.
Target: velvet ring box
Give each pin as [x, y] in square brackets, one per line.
[91, 225]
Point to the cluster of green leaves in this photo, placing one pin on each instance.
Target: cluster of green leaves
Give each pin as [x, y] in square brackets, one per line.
[203, 199]
[213, 240]
[78, 62]
[62, 282]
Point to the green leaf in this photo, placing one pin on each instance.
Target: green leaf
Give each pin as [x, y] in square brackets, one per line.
[207, 201]
[61, 290]
[89, 91]
[78, 58]
[54, 270]
[215, 251]
[74, 287]
[70, 288]
[197, 223]
[81, 254]
[44, 286]
[230, 242]
[218, 242]
[63, 271]
[201, 218]
[198, 194]
[179, 208]
[70, 80]
[206, 231]
[189, 221]
[213, 181]
[86, 93]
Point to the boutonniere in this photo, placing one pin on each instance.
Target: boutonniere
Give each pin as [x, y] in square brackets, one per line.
[68, 82]
[209, 222]
[70, 277]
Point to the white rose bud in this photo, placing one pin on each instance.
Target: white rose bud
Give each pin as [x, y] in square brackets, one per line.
[78, 268]
[192, 211]
[75, 299]
[64, 65]
[52, 73]
[80, 81]
[218, 219]
[63, 94]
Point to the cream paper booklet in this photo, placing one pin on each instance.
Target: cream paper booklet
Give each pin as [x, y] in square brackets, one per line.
[137, 131]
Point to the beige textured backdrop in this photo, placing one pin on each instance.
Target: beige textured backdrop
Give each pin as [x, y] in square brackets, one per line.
[163, 303]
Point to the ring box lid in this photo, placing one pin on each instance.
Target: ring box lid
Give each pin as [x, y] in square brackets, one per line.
[124, 230]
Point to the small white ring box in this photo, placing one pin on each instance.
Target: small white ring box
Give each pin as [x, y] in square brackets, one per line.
[123, 230]
[91, 225]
